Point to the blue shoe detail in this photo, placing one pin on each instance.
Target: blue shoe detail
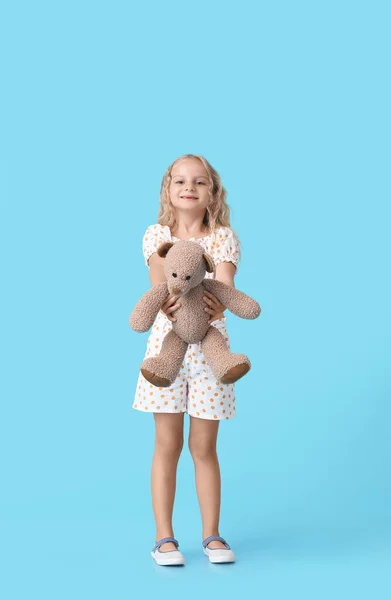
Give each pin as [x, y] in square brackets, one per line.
[164, 541]
[216, 538]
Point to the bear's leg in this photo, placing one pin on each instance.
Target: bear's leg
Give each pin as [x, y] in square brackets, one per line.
[162, 370]
[226, 366]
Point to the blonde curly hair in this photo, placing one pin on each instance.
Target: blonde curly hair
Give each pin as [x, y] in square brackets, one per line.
[217, 213]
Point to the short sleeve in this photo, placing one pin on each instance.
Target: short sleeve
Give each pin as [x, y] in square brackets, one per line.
[154, 237]
[227, 247]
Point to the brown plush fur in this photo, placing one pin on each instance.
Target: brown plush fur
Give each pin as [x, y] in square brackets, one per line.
[189, 262]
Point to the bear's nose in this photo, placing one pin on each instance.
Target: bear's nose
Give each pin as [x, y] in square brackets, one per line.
[176, 291]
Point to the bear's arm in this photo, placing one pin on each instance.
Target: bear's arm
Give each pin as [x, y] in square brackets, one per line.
[146, 309]
[237, 302]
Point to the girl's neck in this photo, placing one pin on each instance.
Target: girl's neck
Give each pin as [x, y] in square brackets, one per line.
[184, 228]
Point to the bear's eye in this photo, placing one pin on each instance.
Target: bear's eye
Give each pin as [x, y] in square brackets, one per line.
[174, 274]
[187, 277]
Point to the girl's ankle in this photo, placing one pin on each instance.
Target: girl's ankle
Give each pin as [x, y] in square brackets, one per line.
[164, 536]
[204, 536]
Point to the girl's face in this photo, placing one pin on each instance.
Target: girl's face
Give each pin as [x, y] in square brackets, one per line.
[189, 186]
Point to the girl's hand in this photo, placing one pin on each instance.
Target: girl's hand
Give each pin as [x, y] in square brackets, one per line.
[213, 307]
[170, 306]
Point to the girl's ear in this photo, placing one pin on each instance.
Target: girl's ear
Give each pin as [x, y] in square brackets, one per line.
[209, 263]
[164, 248]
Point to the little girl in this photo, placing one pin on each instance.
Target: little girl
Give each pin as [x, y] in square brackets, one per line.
[192, 207]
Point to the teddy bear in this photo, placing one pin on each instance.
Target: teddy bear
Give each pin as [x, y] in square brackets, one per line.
[185, 265]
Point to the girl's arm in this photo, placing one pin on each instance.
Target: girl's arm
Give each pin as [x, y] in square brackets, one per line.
[156, 269]
[225, 272]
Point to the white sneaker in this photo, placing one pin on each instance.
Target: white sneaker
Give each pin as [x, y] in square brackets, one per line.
[170, 557]
[218, 555]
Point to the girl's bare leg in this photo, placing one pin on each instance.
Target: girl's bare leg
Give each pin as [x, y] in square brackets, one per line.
[202, 444]
[168, 447]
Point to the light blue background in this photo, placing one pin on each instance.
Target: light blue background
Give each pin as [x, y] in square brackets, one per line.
[290, 102]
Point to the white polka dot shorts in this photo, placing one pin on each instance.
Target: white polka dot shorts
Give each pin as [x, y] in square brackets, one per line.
[195, 390]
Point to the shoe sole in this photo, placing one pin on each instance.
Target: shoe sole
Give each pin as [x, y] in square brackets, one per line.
[219, 559]
[167, 562]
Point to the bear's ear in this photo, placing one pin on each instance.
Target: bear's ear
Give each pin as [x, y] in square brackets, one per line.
[209, 263]
[164, 248]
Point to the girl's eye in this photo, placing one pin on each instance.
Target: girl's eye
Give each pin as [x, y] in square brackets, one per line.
[187, 277]
[174, 274]
[180, 181]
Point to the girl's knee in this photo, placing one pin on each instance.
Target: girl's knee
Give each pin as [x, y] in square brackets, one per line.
[170, 446]
[201, 449]
[169, 434]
